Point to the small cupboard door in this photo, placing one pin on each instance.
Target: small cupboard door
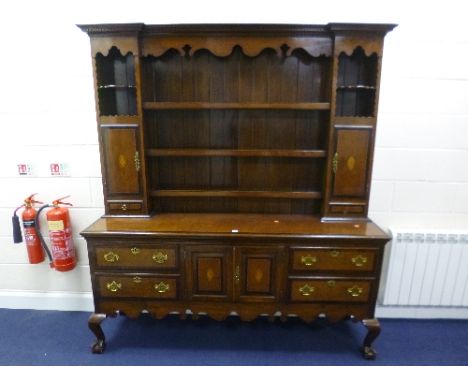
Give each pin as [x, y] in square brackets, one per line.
[209, 272]
[351, 162]
[121, 161]
[256, 274]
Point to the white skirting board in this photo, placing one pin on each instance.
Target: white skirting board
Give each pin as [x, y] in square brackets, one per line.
[67, 301]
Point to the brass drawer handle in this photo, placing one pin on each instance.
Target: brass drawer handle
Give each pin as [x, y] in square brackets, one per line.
[359, 260]
[160, 257]
[161, 287]
[114, 286]
[335, 253]
[135, 250]
[355, 291]
[111, 257]
[306, 290]
[308, 260]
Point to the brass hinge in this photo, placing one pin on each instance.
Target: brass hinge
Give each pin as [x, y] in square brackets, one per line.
[335, 162]
[137, 161]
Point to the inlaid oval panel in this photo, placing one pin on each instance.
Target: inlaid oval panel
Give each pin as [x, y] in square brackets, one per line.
[122, 161]
[351, 162]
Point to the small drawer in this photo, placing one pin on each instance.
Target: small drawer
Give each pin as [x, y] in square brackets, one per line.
[137, 256]
[333, 259]
[125, 208]
[334, 290]
[137, 286]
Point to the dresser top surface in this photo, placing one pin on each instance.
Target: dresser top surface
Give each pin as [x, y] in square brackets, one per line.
[232, 225]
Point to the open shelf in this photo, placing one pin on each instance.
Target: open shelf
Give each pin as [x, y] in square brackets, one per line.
[116, 85]
[236, 105]
[356, 87]
[237, 194]
[355, 102]
[235, 153]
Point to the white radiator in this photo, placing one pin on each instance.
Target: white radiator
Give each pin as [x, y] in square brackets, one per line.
[427, 269]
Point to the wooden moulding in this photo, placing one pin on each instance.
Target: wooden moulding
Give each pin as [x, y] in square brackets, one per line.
[236, 106]
[237, 194]
[221, 46]
[236, 153]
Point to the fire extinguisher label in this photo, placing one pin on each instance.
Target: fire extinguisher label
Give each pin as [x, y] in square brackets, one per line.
[31, 239]
[62, 245]
[55, 225]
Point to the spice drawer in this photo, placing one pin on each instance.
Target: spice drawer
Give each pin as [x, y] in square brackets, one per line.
[329, 290]
[147, 257]
[333, 259]
[154, 287]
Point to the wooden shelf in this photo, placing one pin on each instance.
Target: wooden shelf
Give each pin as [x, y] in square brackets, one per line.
[112, 86]
[356, 87]
[237, 194]
[236, 105]
[235, 153]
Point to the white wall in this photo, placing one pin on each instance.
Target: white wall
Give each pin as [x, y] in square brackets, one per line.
[47, 115]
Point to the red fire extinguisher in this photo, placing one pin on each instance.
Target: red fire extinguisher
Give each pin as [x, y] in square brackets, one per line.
[33, 244]
[63, 256]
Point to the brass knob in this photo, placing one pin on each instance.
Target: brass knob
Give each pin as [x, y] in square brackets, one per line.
[308, 260]
[306, 290]
[160, 257]
[135, 250]
[359, 260]
[111, 257]
[161, 287]
[355, 291]
[114, 286]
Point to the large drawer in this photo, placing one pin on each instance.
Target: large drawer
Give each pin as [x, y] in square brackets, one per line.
[329, 290]
[147, 257]
[155, 287]
[333, 259]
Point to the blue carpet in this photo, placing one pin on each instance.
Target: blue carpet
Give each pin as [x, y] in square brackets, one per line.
[29, 337]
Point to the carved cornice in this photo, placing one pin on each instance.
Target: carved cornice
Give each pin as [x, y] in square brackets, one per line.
[221, 39]
[339, 28]
[92, 29]
[252, 30]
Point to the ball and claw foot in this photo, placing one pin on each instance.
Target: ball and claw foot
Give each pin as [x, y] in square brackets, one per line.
[373, 330]
[369, 353]
[94, 324]
[98, 347]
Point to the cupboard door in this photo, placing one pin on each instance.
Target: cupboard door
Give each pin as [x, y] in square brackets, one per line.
[350, 163]
[121, 161]
[210, 272]
[255, 274]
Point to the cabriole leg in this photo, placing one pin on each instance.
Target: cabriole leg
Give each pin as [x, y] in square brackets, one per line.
[94, 324]
[373, 330]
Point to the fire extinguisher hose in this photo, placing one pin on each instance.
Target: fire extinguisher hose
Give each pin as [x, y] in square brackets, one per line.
[39, 234]
[17, 236]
